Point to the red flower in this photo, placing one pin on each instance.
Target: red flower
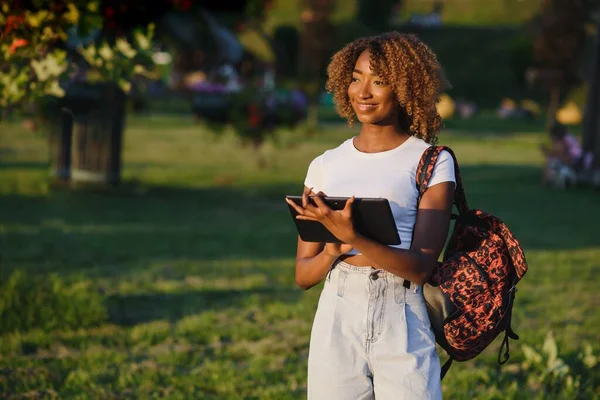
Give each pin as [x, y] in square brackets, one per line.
[254, 117]
[12, 22]
[185, 5]
[16, 44]
[109, 12]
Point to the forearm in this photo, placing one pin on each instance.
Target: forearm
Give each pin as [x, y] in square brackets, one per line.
[310, 271]
[408, 264]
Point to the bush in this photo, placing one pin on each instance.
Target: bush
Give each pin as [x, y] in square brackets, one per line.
[287, 43]
[47, 302]
[376, 14]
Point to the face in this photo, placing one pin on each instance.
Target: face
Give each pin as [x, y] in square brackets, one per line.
[371, 96]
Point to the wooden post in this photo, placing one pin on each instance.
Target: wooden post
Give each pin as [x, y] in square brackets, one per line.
[98, 134]
[60, 139]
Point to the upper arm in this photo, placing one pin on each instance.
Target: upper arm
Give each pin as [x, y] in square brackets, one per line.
[435, 209]
[433, 219]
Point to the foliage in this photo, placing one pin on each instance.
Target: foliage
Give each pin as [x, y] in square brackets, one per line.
[492, 13]
[287, 43]
[521, 57]
[36, 302]
[560, 38]
[120, 62]
[33, 61]
[254, 113]
[42, 47]
[316, 43]
[376, 14]
[561, 378]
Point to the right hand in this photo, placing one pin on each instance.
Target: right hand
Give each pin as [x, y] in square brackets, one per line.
[332, 249]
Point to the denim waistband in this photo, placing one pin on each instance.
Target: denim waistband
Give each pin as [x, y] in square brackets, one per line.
[369, 270]
[353, 269]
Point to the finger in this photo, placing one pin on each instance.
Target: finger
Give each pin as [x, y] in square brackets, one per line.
[346, 248]
[306, 218]
[321, 204]
[298, 209]
[321, 194]
[305, 194]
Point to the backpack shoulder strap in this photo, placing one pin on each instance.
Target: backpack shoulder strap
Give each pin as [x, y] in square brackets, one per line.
[425, 172]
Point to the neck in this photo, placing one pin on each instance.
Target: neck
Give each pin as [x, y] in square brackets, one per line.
[377, 138]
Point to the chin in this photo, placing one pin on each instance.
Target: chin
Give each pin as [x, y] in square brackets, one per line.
[369, 119]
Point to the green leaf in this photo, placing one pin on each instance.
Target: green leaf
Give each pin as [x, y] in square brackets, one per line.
[549, 348]
[531, 356]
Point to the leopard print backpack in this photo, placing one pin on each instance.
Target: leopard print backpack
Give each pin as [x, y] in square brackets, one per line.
[470, 294]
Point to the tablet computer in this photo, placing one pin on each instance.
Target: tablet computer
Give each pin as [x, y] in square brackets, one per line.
[372, 218]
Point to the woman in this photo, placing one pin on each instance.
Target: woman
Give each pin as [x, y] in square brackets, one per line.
[371, 336]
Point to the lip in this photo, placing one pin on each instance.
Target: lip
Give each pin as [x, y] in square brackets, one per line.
[366, 106]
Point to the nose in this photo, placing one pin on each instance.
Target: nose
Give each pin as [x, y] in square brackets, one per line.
[364, 91]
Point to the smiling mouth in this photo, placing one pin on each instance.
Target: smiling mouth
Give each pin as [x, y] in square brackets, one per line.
[366, 107]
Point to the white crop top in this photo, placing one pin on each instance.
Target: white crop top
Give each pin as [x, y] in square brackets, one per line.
[345, 172]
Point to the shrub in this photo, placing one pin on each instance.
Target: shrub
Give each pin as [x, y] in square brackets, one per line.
[47, 302]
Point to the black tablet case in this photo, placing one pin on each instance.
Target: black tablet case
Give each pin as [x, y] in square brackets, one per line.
[372, 218]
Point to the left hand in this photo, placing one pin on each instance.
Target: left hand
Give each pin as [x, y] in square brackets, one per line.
[339, 223]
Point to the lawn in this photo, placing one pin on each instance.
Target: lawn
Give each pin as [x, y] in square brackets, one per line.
[181, 284]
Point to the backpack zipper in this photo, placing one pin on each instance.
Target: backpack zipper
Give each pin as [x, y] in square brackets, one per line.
[483, 273]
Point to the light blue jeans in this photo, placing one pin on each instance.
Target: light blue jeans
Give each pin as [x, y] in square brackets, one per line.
[371, 339]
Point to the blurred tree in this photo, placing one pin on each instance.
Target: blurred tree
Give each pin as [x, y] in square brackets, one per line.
[557, 51]
[376, 14]
[124, 15]
[316, 37]
[315, 50]
[557, 48]
[591, 120]
[287, 43]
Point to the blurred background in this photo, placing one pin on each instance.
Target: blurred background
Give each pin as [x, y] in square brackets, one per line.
[146, 149]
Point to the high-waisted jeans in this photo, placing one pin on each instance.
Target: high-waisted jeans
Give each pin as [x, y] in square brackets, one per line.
[371, 339]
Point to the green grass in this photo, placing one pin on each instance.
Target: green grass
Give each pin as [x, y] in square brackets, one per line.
[195, 267]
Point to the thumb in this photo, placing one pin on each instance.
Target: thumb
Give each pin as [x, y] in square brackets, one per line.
[348, 206]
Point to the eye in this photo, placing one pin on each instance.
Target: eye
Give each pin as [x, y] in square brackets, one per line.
[380, 83]
[354, 79]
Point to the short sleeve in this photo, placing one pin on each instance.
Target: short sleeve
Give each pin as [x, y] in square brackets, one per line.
[314, 176]
[443, 170]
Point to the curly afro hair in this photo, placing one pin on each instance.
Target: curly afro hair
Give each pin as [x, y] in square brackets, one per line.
[408, 65]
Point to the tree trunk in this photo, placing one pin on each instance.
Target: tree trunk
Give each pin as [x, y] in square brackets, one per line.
[591, 119]
[553, 105]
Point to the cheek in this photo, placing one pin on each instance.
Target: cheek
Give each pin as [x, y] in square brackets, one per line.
[351, 90]
[389, 100]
